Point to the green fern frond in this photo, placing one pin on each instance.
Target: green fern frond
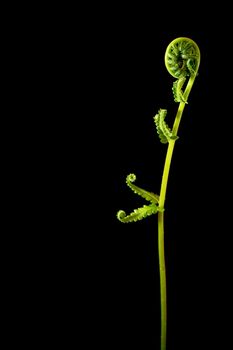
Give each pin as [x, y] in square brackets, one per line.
[177, 90]
[149, 196]
[137, 214]
[163, 130]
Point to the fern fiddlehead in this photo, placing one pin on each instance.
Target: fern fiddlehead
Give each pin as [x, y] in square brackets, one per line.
[182, 57]
[182, 60]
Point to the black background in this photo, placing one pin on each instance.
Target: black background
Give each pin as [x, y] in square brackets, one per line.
[88, 91]
[125, 83]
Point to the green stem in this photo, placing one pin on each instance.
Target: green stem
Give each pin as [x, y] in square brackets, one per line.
[162, 197]
[162, 271]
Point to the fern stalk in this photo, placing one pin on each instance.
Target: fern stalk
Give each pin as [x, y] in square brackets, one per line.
[162, 197]
[182, 59]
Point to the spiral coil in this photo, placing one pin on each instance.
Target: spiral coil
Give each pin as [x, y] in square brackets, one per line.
[182, 57]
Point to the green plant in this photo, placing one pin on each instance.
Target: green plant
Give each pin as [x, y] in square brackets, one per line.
[182, 59]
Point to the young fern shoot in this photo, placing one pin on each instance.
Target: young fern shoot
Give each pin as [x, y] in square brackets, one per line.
[182, 60]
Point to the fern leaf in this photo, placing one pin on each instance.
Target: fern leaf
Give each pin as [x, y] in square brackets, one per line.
[177, 90]
[162, 137]
[137, 214]
[149, 196]
[163, 130]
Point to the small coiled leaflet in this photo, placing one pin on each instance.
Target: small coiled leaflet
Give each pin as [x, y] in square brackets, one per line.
[182, 57]
[146, 210]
